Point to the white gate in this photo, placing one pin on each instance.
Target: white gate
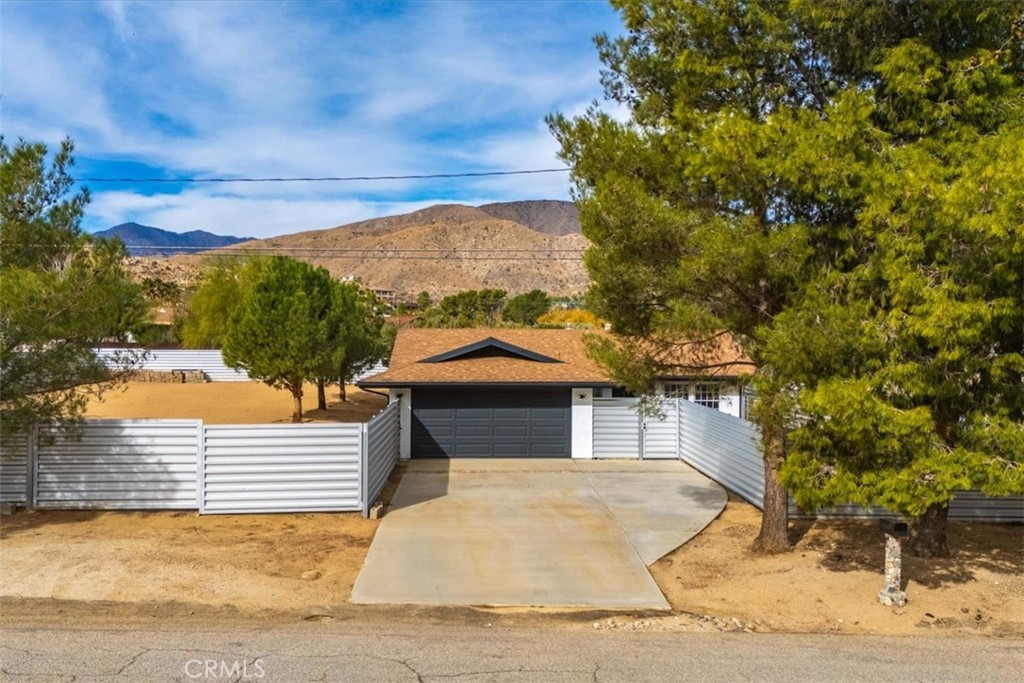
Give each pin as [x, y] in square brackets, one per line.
[621, 430]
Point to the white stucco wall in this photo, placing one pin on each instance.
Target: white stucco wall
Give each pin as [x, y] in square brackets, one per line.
[404, 421]
[583, 423]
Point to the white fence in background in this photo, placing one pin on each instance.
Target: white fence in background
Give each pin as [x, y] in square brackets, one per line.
[183, 464]
[210, 361]
[14, 470]
[727, 449]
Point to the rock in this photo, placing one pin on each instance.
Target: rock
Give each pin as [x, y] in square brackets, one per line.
[311, 575]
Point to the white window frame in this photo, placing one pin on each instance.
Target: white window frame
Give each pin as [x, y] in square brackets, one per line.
[707, 394]
[676, 390]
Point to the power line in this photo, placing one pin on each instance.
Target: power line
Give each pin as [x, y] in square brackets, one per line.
[323, 179]
[228, 250]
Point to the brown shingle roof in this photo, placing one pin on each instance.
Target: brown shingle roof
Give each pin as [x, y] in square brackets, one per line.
[413, 345]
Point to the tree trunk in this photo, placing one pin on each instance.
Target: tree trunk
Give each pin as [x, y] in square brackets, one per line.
[774, 535]
[928, 533]
[321, 395]
[341, 386]
[297, 396]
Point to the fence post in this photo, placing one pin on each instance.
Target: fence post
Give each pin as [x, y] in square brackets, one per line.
[679, 427]
[364, 469]
[201, 467]
[31, 474]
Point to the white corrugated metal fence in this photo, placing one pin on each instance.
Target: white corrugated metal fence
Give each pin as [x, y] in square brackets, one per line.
[119, 464]
[380, 453]
[182, 464]
[281, 468]
[210, 361]
[14, 471]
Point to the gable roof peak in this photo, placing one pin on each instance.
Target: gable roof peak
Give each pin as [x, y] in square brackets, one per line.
[489, 346]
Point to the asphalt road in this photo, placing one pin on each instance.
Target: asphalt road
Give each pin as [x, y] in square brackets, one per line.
[476, 653]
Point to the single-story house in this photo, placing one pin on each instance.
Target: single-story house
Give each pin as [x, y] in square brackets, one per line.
[514, 392]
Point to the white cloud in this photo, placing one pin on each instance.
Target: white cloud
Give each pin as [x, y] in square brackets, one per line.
[301, 89]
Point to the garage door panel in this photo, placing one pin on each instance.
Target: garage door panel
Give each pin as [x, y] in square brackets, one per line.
[511, 413]
[473, 414]
[494, 423]
[477, 432]
[519, 431]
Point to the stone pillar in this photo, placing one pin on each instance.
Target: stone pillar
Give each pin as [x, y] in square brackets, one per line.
[892, 594]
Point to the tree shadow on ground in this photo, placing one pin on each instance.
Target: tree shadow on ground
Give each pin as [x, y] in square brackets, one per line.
[26, 521]
[850, 545]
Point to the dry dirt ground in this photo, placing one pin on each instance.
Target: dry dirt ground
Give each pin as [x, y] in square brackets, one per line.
[306, 564]
[229, 403]
[831, 578]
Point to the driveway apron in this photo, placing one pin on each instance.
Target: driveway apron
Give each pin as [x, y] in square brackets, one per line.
[533, 533]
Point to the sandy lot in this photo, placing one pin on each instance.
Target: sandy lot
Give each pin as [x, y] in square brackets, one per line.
[308, 563]
[229, 403]
[830, 580]
[300, 561]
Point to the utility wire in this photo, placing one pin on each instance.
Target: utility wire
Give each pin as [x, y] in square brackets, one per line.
[228, 250]
[324, 179]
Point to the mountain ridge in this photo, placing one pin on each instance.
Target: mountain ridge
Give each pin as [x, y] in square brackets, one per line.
[146, 240]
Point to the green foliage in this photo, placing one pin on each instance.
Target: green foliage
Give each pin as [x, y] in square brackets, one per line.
[206, 314]
[811, 178]
[281, 331]
[161, 291]
[423, 301]
[923, 392]
[472, 308]
[357, 337]
[524, 309]
[63, 293]
[296, 324]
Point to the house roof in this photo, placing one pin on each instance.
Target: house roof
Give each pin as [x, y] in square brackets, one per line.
[520, 356]
[493, 356]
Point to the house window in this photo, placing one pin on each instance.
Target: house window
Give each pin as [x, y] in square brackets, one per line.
[676, 390]
[706, 395]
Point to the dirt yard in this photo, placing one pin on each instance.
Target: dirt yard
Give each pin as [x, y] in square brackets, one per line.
[252, 562]
[308, 563]
[229, 403]
[830, 581]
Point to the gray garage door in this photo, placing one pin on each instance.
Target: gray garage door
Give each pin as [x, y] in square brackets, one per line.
[490, 423]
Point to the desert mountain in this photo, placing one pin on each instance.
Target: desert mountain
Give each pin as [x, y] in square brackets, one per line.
[145, 240]
[546, 215]
[442, 249]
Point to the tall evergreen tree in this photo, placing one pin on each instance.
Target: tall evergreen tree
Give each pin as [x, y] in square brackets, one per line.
[63, 293]
[912, 364]
[281, 331]
[742, 176]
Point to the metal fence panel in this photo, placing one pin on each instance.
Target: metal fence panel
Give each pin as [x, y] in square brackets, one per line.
[616, 428]
[210, 361]
[723, 447]
[119, 464]
[661, 432]
[382, 450]
[968, 506]
[282, 468]
[14, 475]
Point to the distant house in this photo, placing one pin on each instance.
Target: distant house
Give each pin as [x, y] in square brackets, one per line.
[515, 392]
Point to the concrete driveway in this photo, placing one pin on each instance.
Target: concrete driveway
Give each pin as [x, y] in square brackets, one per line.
[534, 532]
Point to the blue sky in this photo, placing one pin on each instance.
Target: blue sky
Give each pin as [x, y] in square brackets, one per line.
[288, 89]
